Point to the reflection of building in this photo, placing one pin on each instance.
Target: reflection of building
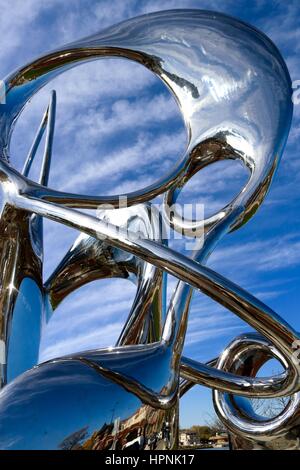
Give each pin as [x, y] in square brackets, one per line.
[219, 440]
[188, 438]
[147, 428]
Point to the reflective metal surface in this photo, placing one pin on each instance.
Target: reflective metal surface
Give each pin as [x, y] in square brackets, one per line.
[21, 252]
[250, 430]
[234, 91]
[89, 259]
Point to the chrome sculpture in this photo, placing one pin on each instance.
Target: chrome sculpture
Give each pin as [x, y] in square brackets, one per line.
[234, 92]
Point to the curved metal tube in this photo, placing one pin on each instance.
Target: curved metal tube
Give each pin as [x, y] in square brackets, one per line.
[89, 260]
[218, 90]
[220, 289]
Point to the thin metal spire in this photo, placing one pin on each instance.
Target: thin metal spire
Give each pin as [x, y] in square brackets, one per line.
[48, 121]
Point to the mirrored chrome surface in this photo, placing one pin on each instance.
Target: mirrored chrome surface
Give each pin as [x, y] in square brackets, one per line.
[89, 259]
[249, 429]
[234, 91]
[21, 255]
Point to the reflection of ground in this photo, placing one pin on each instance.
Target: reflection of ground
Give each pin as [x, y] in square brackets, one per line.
[215, 448]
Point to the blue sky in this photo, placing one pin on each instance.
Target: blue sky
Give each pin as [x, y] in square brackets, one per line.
[111, 112]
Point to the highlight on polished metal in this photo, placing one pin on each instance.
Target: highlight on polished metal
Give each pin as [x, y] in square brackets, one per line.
[234, 92]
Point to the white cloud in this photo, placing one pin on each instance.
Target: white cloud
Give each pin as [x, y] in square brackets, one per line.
[210, 334]
[144, 152]
[122, 114]
[81, 342]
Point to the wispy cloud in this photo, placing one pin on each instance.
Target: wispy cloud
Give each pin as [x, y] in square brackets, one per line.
[117, 163]
[123, 114]
[86, 340]
[264, 255]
